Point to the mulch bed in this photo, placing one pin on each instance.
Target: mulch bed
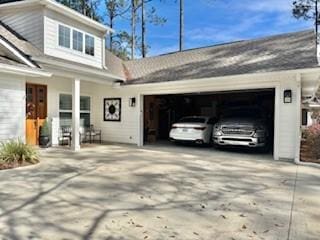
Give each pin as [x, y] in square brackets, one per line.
[306, 153]
[4, 166]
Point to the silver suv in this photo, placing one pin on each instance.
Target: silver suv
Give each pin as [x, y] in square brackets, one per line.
[241, 127]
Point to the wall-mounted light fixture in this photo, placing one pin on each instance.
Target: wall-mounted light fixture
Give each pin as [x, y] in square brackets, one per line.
[287, 96]
[132, 102]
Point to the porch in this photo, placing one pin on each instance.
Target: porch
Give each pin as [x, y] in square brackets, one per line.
[71, 107]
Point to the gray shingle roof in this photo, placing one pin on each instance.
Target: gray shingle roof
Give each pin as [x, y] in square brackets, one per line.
[16, 41]
[281, 52]
[114, 64]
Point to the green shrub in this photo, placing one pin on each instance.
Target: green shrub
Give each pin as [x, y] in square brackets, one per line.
[44, 130]
[17, 152]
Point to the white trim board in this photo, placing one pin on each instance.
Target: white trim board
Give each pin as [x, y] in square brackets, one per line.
[25, 71]
[17, 53]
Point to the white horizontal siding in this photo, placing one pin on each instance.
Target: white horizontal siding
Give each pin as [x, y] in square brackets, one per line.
[52, 48]
[124, 131]
[28, 23]
[12, 108]
[288, 120]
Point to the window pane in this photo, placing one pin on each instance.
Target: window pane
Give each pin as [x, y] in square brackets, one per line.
[64, 36]
[84, 103]
[89, 45]
[85, 120]
[77, 41]
[65, 119]
[65, 102]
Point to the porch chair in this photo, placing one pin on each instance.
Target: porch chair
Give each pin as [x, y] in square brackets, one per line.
[92, 133]
[65, 135]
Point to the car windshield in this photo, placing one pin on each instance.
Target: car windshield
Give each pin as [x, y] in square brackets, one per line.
[192, 120]
[242, 113]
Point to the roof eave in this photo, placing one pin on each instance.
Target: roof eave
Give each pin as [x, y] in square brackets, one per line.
[72, 67]
[24, 71]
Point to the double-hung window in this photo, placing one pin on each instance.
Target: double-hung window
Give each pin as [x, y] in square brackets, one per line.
[77, 40]
[65, 110]
[64, 36]
[89, 45]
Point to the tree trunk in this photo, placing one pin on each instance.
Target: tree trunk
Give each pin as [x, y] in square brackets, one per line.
[111, 34]
[181, 34]
[316, 23]
[133, 28]
[83, 6]
[143, 29]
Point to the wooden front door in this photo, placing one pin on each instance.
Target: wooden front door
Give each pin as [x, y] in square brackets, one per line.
[36, 111]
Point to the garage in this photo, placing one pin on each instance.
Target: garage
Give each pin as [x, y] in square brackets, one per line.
[162, 111]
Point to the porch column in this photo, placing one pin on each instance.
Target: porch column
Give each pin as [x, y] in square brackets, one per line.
[76, 115]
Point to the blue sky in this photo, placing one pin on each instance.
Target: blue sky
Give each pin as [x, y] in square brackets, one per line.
[208, 22]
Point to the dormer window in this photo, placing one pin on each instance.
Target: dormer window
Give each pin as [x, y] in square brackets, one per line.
[89, 47]
[64, 36]
[77, 41]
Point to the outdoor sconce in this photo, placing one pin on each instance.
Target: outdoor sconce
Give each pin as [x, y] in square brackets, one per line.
[132, 102]
[287, 96]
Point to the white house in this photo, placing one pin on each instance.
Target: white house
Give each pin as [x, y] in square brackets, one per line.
[54, 65]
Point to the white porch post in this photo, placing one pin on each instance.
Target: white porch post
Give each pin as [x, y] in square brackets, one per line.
[76, 115]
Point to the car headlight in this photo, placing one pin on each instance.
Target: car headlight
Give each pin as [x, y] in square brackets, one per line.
[218, 133]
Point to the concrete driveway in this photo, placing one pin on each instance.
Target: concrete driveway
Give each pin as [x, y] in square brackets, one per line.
[119, 192]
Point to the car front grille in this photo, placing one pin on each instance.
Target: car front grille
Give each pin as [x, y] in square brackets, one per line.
[243, 131]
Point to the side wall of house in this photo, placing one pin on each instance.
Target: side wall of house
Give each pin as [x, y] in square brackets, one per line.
[27, 22]
[129, 129]
[12, 107]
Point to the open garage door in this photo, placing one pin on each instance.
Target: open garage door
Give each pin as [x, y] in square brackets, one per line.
[162, 111]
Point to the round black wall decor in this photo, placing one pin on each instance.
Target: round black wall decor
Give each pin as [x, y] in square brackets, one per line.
[112, 109]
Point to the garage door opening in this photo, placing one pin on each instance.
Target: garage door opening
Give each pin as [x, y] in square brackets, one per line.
[162, 111]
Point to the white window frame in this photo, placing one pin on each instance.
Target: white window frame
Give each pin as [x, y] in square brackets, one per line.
[74, 31]
[70, 44]
[71, 50]
[70, 111]
[85, 44]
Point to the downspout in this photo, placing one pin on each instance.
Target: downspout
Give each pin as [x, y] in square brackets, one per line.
[104, 51]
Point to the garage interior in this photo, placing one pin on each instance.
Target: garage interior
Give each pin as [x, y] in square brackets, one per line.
[161, 111]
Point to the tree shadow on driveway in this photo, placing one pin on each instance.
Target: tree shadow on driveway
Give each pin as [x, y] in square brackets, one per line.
[122, 192]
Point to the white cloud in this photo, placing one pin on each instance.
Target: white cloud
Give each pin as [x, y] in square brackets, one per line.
[256, 18]
[267, 5]
[224, 33]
